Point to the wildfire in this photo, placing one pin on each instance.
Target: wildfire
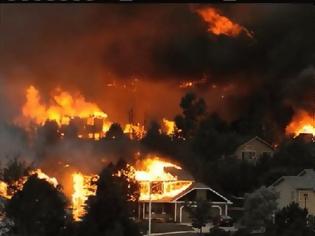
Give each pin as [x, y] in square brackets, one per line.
[169, 126]
[135, 131]
[4, 190]
[63, 108]
[301, 123]
[41, 175]
[153, 174]
[156, 183]
[18, 185]
[83, 187]
[218, 24]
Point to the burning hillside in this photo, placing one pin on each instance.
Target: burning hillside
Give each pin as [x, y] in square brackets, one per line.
[152, 171]
[85, 117]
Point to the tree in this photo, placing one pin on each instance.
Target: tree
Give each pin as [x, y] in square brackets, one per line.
[193, 110]
[291, 221]
[213, 138]
[109, 211]
[38, 209]
[14, 170]
[115, 131]
[199, 213]
[259, 208]
[157, 141]
[48, 133]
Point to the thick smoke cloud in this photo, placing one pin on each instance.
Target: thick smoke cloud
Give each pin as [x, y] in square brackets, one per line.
[84, 47]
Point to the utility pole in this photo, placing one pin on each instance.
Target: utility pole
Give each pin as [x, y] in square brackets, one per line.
[150, 206]
[305, 198]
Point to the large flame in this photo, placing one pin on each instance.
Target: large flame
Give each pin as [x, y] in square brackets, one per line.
[152, 169]
[4, 190]
[156, 183]
[153, 174]
[135, 131]
[302, 123]
[83, 187]
[19, 184]
[62, 108]
[218, 24]
[169, 126]
[91, 122]
[41, 175]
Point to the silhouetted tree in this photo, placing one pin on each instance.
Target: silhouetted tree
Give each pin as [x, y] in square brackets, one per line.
[157, 141]
[199, 213]
[109, 211]
[115, 131]
[213, 139]
[291, 221]
[48, 133]
[259, 208]
[14, 170]
[193, 110]
[38, 209]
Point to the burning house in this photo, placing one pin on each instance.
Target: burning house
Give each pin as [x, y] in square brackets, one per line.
[169, 188]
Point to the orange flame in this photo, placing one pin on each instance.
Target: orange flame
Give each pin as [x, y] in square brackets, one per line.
[62, 108]
[41, 175]
[169, 126]
[302, 123]
[156, 183]
[65, 107]
[4, 190]
[83, 187]
[19, 184]
[135, 131]
[218, 24]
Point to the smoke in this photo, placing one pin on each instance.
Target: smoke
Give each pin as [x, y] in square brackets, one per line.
[146, 51]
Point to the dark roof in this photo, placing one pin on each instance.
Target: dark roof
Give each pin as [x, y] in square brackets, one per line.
[258, 139]
[304, 180]
[180, 173]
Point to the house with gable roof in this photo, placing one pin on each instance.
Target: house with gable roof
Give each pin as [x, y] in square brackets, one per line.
[174, 208]
[253, 149]
[299, 189]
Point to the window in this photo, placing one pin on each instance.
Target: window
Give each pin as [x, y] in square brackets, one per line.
[248, 155]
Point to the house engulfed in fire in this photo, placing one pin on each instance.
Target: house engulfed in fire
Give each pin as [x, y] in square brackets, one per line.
[171, 189]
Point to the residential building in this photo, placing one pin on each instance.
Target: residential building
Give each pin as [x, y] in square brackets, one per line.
[253, 149]
[299, 189]
[169, 198]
